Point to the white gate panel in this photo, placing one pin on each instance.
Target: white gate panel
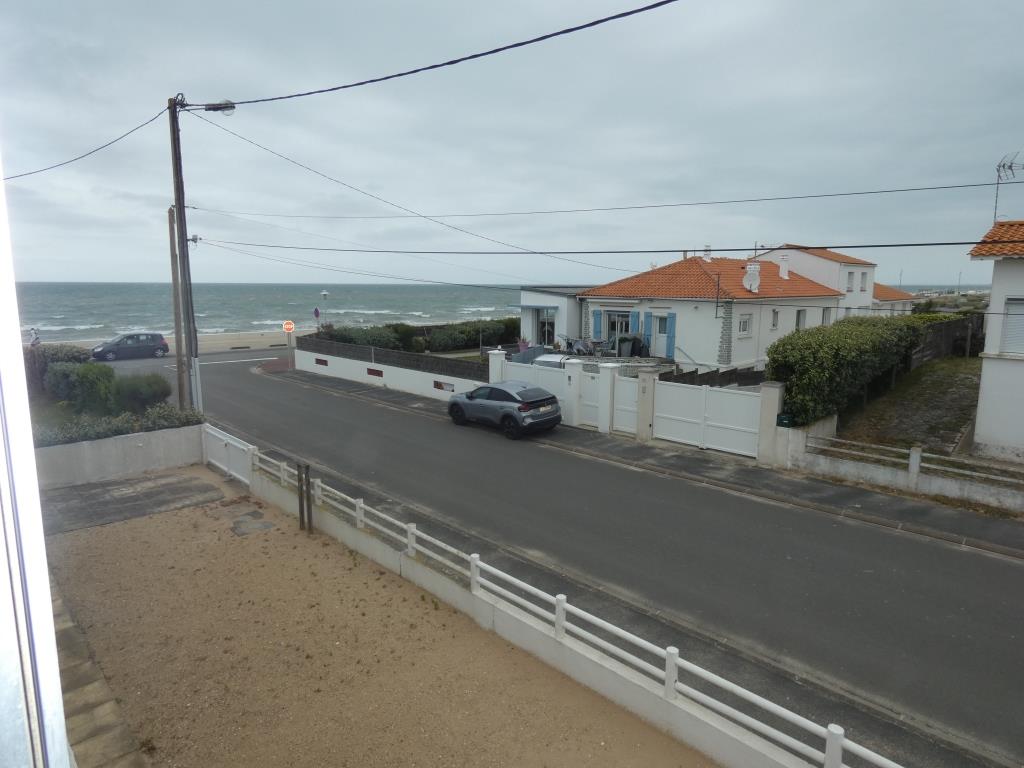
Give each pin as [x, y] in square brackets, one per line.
[227, 453]
[588, 399]
[678, 412]
[624, 414]
[732, 421]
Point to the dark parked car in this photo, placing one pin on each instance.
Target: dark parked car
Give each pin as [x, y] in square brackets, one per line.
[515, 406]
[132, 345]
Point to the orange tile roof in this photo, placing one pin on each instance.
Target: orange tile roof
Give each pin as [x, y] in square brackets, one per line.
[695, 278]
[1001, 230]
[888, 293]
[825, 253]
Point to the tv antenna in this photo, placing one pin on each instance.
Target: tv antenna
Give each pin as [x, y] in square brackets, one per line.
[1006, 170]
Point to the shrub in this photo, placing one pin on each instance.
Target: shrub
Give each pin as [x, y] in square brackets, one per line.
[419, 344]
[162, 416]
[445, 339]
[138, 392]
[512, 327]
[823, 368]
[93, 389]
[39, 358]
[405, 333]
[59, 381]
[375, 336]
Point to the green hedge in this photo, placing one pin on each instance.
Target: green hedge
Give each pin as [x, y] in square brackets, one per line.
[138, 392]
[824, 368]
[415, 338]
[162, 416]
[39, 358]
[87, 386]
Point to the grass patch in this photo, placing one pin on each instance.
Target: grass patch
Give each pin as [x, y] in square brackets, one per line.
[46, 412]
[930, 406]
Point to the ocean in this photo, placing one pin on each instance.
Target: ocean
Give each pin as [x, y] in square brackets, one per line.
[87, 311]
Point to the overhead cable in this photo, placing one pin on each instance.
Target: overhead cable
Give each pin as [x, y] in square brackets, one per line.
[611, 208]
[627, 251]
[90, 152]
[450, 62]
[396, 205]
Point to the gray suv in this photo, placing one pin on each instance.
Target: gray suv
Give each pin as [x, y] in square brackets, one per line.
[515, 406]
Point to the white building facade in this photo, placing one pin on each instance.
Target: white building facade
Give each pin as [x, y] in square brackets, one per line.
[854, 278]
[999, 427]
[549, 314]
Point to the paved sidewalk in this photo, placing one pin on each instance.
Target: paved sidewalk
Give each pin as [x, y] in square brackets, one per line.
[914, 515]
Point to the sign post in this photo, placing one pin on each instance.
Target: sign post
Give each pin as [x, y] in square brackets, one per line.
[289, 327]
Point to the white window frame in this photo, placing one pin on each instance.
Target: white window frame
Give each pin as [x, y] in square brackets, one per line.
[661, 320]
[775, 319]
[801, 319]
[826, 315]
[1012, 341]
[747, 318]
[863, 282]
[849, 282]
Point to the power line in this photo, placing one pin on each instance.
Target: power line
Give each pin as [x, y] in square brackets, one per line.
[627, 251]
[333, 268]
[338, 239]
[396, 205]
[90, 152]
[453, 62]
[544, 212]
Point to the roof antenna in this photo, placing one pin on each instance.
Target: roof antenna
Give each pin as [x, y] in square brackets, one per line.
[1005, 171]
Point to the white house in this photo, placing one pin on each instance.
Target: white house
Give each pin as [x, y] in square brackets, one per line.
[549, 313]
[999, 428]
[891, 301]
[709, 312]
[854, 278]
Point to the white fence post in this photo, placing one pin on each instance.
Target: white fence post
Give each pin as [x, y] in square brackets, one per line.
[496, 365]
[671, 671]
[280, 473]
[254, 457]
[647, 379]
[914, 467]
[574, 386]
[318, 491]
[704, 418]
[833, 747]
[560, 616]
[410, 539]
[360, 514]
[474, 574]
[770, 442]
[606, 396]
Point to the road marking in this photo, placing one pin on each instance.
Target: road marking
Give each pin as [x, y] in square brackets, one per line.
[224, 362]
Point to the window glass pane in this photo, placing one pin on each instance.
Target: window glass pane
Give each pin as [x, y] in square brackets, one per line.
[1013, 327]
[663, 325]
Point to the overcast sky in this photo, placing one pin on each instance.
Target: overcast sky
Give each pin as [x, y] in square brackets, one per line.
[693, 101]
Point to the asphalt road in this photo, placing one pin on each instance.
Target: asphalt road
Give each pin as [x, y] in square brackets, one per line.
[920, 627]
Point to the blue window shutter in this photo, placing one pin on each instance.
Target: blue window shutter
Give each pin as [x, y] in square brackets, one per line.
[595, 332]
[634, 322]
[670, 340]
[648, 325]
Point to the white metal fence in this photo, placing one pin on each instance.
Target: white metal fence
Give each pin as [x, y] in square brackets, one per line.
[708, 417]
[624, 406]
[676, 677]
[227, 453]
[589, 396]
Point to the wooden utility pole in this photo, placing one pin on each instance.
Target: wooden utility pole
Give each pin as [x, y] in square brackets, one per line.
[179, 350]
[188, 312]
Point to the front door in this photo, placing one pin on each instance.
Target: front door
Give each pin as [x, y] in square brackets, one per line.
[618, 326]
[659, 337]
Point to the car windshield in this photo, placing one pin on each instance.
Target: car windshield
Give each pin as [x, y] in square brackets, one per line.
[115, 340]
[533, 393]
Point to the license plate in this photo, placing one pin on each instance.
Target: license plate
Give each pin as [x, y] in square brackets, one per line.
[544, 409]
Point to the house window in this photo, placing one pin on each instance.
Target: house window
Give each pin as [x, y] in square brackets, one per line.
[1013, 327]
[546, 326]
[801, 318]
[849, 282]
[826, 315]
[663, 326]
[775, 319]
[863, 281]
[746, 321]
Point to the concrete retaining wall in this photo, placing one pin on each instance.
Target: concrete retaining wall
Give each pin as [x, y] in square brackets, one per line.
[720, 739]
[115, 458]
[435, 385]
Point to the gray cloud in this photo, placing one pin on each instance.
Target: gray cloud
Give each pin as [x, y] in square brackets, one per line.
[689, 102]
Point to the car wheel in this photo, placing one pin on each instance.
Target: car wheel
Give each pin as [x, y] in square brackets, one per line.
[511, 428]
[159, 352]
[110, 356]
[458, 415]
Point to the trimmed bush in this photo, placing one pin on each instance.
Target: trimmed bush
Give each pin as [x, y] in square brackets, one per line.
[419, 344]
[87, 386]
[162, 416]
[438, 338]
[138, 392]
[39, 358]
[374, 336]
[447, 339]
[59, 381]
[824, 368]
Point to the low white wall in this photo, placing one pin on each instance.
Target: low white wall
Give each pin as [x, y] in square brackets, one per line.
[115, 458]
[433, 385]
[999, 428]
[723, 741]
